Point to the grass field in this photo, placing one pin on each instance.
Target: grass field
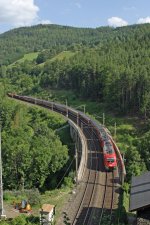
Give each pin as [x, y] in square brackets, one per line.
[33, 55]
[60, 56]
[30, 56]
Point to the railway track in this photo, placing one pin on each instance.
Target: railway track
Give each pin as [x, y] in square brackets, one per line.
[102, 205]
[84, 211]
[89, 212]
[96, 198]
[107, 204]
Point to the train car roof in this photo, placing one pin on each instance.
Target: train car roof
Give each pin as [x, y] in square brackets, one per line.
[99, 126]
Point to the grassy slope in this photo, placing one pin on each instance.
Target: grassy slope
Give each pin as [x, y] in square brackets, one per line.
[60, 56]
[33, 55]
[30, 57]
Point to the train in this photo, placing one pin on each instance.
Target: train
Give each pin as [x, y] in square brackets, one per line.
[108, 147]
[82, 120]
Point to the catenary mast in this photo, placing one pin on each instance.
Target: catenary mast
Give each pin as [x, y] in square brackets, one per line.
[1, 183]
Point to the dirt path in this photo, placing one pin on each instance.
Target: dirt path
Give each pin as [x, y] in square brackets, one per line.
[9, 211]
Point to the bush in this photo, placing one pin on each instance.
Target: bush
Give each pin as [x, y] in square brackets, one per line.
[4, 223]
[9, 196]
[20, 220]
[68, 182]
[33, 196]
[126, 187]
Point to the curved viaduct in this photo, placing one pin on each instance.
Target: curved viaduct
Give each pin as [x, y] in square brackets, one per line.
[96, 197]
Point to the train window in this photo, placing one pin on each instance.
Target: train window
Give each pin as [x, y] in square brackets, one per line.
[108, 143]
[111, 160]
[110, 151]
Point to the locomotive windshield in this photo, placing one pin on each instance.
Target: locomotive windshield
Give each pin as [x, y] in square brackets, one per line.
[111, 160]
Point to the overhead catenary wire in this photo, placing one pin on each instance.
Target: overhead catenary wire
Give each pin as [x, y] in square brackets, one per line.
[65, 173]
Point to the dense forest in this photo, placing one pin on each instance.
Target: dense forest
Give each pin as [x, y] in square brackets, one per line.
[104, 65]
[31, 149]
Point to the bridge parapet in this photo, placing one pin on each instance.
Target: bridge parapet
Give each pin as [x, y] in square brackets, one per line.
[81, 145]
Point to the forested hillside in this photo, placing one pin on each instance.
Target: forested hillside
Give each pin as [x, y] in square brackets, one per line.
[104, 64]
[15, 43]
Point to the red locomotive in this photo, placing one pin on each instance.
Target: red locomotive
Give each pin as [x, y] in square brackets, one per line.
[109, 155]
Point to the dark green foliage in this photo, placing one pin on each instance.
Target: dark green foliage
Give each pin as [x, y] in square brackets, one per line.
[68, 181]
[135, 164]
[33, 196]
[48, 54]
[31, 149]
[23, 220]
[144, 148]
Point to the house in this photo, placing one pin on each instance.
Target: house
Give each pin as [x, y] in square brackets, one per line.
[47, 213]
[140, 198]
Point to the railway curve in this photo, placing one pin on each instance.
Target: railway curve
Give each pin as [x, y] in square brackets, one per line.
[96, 196]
